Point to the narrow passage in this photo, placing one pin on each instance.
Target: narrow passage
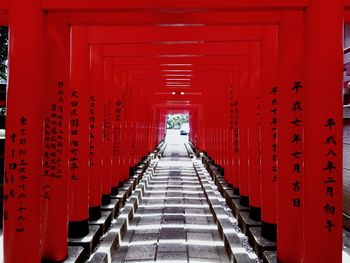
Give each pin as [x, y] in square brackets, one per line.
[173, 222]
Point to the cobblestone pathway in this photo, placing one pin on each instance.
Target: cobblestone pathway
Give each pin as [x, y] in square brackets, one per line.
[173, 222]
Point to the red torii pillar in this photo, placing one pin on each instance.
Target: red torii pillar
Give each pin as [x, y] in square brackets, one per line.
[55, 158]
[243, 132]
[290, 202]
[254, 142]
[269, 132]
[24, 135]
[229, 175]
[133, 120]
[79, 134]
[125, 138]
[323, 131]
[96, 130]
[107, 131]
[235, 134]
[116, 126]
[224, 128]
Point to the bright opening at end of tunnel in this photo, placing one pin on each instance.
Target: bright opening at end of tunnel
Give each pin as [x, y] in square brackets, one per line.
[177, 128]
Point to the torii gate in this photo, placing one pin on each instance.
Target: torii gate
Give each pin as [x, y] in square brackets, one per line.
[295, 52]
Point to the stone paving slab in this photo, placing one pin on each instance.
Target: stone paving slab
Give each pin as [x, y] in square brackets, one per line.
[173, 221]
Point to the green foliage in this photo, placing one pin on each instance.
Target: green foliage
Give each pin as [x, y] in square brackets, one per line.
[3, 53]
[175, 121]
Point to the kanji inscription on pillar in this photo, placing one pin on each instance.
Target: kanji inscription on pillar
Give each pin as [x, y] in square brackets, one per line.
[16, 175]
[297, 143]
[117, 128]
[74, 139]
[273, 124]
[92, 134]
[329, 168]
[53, 142]
[236, 127]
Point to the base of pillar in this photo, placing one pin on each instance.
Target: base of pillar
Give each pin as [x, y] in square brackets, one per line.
[238, 207]
[104, 221]
[269, 231]
[260, 243]
[94, 213]
[255, 213]
[222, 185]
[88, 242]
[236, 190]
[244, 201]
[75, 255]
[77, 229]
[114, 191]
[123, 193]
[113, 207]
[128, 188]
[229, 196]
[133, 182]
[131, 171]
[245, 222]
[106, 199]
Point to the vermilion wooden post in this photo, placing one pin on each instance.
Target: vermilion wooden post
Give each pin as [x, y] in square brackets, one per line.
[107, 131]
[211, 125]
[269, 132]
[235, 133]
[254, 132]
[24, 133]
[243, 133]
[79, 134]
[323, 131]
[54, 182]
[95, 130]
[125, 136]
[133, 125]
[117, 111]
[224, 125]
[229, 174]
[290, 202]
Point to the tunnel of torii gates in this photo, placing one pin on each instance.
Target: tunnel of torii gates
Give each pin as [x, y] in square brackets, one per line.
[91, 82]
